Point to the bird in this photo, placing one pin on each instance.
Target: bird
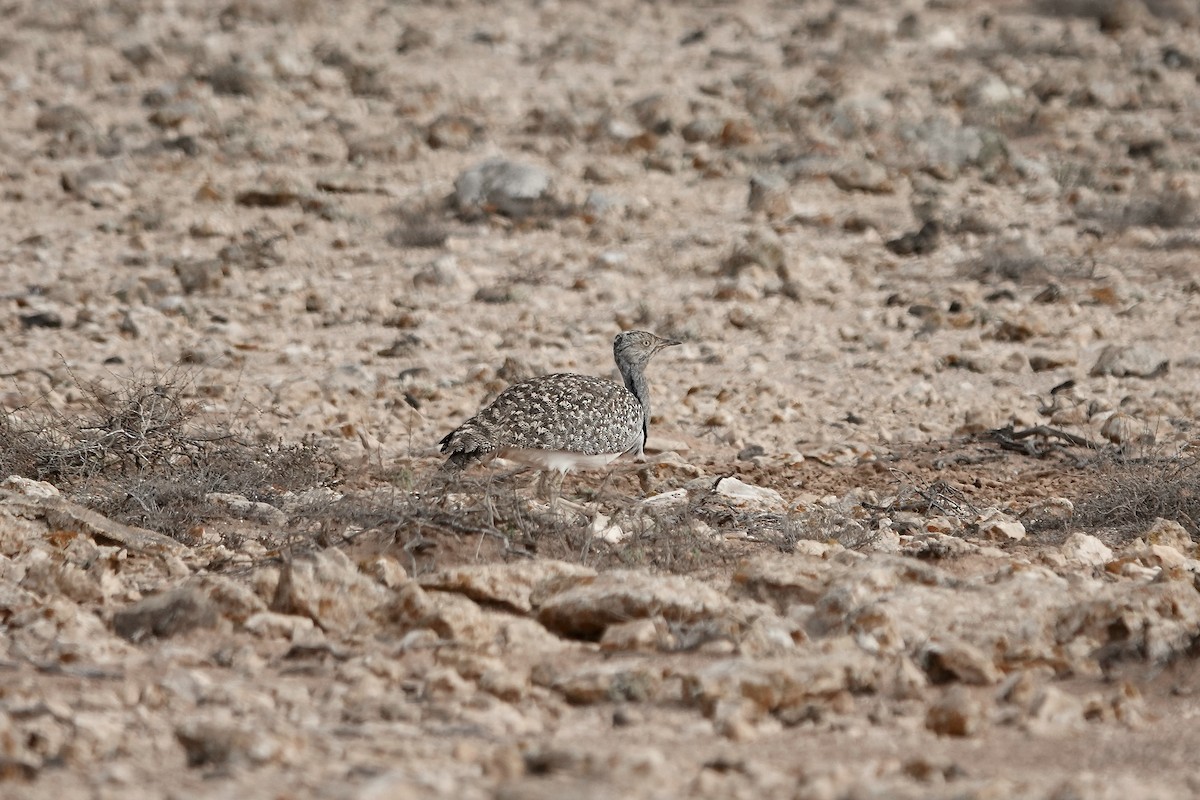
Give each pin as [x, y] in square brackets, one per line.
[564, 421]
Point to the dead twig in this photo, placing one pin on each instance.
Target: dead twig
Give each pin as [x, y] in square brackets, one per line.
[1036, 442]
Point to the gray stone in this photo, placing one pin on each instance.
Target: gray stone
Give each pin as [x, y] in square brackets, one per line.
[770, 195]
[1138, 360]
[164, 615]
[861, 175]
[504, 187]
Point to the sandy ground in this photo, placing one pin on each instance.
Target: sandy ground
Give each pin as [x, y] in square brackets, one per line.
[256, 202]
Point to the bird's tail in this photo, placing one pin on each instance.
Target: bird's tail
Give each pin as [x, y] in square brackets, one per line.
[457, 462]
[462, 448]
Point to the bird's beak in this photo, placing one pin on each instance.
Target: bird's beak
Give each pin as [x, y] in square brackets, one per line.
[666, 343]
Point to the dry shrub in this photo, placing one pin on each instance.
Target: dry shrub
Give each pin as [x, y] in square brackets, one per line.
[433, 520]
[477, 517]
[1167, 207]
[819, 524]
[20, 448]
[1129, 494]
[423, 225]
[145, 454]
[673, 540]
[172, 497]
[1009, 263]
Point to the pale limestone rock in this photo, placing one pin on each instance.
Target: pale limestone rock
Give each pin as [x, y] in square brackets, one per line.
[786, 683]
[246, 509]
[1083, 548]
[387, 570]
[167, 614]
[1053, 507]
[1153, 621]
[744, 495]
[956, 713]
[673, 498]
[769, 635]
[1162, 555]
[38, 490]
[455, 618]
[601, 528]
[586, 610]
[507, 187]
[327, 588]
[63, 515]
[1171, 533]
[271, 624]
[770, 194]
[47, 574]
[999, 527]
[609, 682]
[517, 585]
[644, 635]
[1122, 429]
[959, 660]
[946, 526]
[1138, 360]
[215, 740]
[782, 582]
[233, 599]
[1053, 711]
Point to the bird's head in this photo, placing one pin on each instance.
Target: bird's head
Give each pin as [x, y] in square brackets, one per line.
[638, 347]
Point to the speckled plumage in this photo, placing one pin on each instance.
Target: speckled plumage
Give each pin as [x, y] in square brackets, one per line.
[564, 413]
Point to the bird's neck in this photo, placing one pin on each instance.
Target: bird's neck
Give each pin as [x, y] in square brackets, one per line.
[635, 382]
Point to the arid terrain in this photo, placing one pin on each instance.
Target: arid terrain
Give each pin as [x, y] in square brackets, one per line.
[918, 516]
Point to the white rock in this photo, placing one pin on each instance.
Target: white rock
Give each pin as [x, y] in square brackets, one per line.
[602, 529]
[1015, 362]
[998, 526]
[508, 187]
[993, 92]
[943, 525]
[1137, 360]
[1083, 548]
[886, 540]
[270, 624]
[247, 509]
[1169, 532]
[1054, 709]
[944, 38]
[667, 499]
[1055, 507]
[30, 488]
[1122, 429]
[745, 494]
[1162, 555]
[811, 547]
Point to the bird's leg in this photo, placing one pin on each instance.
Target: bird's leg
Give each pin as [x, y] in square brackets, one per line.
[487, 499]
[557, 485]
[549, 487]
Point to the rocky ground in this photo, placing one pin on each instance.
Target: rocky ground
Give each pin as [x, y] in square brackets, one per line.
[919, 515]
